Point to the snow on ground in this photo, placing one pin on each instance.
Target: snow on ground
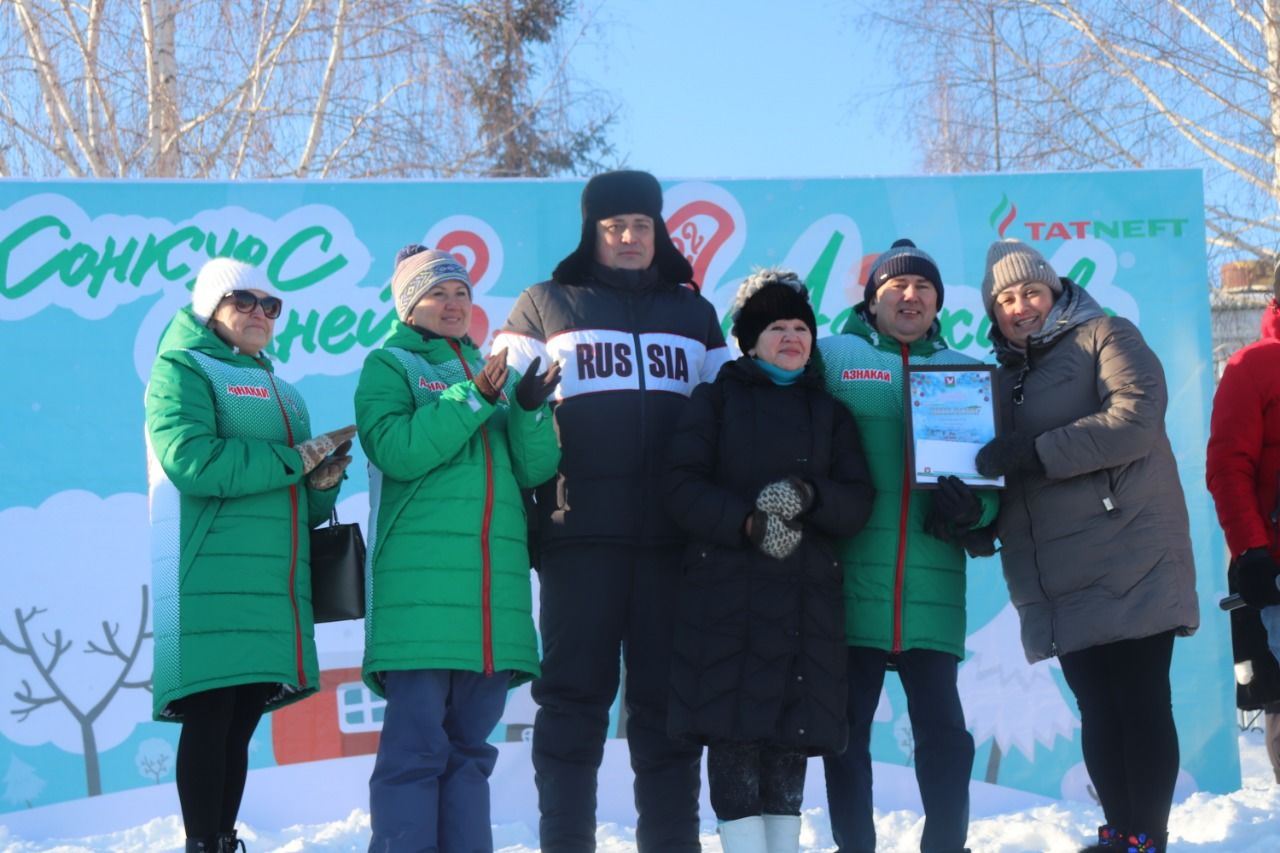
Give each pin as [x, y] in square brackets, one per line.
[320, 795]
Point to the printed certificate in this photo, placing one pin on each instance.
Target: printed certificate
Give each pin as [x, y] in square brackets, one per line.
[951, 414]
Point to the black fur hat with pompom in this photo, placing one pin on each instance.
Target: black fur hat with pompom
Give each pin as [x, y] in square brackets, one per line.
[765, 296]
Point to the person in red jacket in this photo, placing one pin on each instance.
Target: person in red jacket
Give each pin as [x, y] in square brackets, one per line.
[1243, 474]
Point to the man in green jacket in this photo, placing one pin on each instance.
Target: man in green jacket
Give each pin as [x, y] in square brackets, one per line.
[904, 581]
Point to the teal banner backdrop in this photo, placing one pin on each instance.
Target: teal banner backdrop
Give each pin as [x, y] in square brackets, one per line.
[91, 272]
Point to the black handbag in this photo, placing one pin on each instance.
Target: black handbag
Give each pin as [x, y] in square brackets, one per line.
[337, 571]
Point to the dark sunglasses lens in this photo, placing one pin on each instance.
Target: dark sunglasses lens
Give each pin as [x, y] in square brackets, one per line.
[245, 302]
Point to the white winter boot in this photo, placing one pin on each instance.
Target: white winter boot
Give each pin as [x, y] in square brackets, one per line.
[782, 833]
[744, 835]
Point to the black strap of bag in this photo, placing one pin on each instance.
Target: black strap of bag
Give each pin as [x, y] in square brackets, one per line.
[337, 571]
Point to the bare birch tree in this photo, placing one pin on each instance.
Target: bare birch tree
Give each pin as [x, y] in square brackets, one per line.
[52, 691]
[277, 88]
[1075, 84]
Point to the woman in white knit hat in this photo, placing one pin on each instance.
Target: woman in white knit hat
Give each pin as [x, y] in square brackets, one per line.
[236, 481]
[1096, 548]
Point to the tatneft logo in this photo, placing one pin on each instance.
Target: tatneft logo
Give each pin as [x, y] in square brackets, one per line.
[258, 391]
[862, 373]
[431, 386]
[1005, 217]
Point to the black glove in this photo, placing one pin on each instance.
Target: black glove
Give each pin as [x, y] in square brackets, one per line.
[533, 390]
[1256, 575]
[954, 510]
[1009, 454]
[980, 542]
[955, 500]
[788, 498]
[772, 534]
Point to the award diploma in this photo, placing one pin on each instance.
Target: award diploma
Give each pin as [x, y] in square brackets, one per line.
[951, 414]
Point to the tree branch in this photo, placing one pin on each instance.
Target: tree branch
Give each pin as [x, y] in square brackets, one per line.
[326, 85]
[32, 702]
[129, 659]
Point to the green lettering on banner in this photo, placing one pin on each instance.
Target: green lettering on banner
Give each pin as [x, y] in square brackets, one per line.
[295, 330]
[190, 235]
[950, 320]
[953, 322]
[80, 261]
[286, 250]
[111, 262]
[336, 324]
[1133, 228]
[821, 274]
[146, 260]
[372, 329]
[1106, 229]
[1082, 272]
[838, 324]
[984, 333]
[252, 251]
[40, 273]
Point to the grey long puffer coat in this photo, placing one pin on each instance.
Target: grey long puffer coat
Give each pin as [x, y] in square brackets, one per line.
[1097, 548]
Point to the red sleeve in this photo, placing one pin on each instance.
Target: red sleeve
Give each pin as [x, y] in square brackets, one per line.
[1233, 464]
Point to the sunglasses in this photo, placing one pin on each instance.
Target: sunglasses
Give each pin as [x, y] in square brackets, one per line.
[245, 302]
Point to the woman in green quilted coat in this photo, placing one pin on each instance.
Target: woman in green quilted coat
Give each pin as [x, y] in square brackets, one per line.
[236, 480]
[451, 439]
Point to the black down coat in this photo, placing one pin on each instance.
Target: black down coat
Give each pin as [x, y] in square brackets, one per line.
[759, 651]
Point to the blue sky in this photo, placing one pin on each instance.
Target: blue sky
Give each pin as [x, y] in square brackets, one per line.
[752, 89]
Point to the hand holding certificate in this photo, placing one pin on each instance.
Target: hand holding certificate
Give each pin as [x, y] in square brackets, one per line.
[951, 414]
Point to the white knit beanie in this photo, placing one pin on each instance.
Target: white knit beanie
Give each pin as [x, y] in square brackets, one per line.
[219, 277]
[1011, 262]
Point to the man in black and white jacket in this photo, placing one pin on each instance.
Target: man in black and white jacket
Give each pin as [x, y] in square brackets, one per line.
[633, 337]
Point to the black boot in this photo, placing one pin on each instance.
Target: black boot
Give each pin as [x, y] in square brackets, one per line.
[1109, 839]
[228, 843]
[208, 844]
[1140, 842]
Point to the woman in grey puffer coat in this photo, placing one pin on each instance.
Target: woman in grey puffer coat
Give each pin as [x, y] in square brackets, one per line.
[1096, 547]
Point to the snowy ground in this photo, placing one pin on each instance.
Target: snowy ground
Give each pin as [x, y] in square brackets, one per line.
[1004, 820]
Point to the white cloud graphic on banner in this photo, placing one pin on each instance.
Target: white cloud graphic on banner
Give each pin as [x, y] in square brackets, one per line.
[77, 570]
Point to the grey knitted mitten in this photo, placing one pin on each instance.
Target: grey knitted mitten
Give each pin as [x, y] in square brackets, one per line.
[788, 498]
[774, 535]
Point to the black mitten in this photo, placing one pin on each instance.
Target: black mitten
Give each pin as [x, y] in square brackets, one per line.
[1009, 454]
[955, 500]
[1256, 575]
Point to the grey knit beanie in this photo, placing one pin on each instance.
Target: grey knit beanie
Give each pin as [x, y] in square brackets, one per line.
[1011, 262]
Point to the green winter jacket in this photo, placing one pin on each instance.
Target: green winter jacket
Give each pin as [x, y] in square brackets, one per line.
[903, 588]
[448, 581]
[230, 511]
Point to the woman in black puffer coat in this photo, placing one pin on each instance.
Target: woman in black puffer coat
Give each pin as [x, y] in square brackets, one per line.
[764, 468]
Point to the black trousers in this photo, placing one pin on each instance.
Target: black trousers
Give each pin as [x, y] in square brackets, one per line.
[597, 601]
[213, 755]
[755, 779]
[1127, 731]
[943, 750]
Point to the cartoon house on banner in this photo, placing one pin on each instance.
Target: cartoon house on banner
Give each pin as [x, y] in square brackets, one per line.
[107, 267]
